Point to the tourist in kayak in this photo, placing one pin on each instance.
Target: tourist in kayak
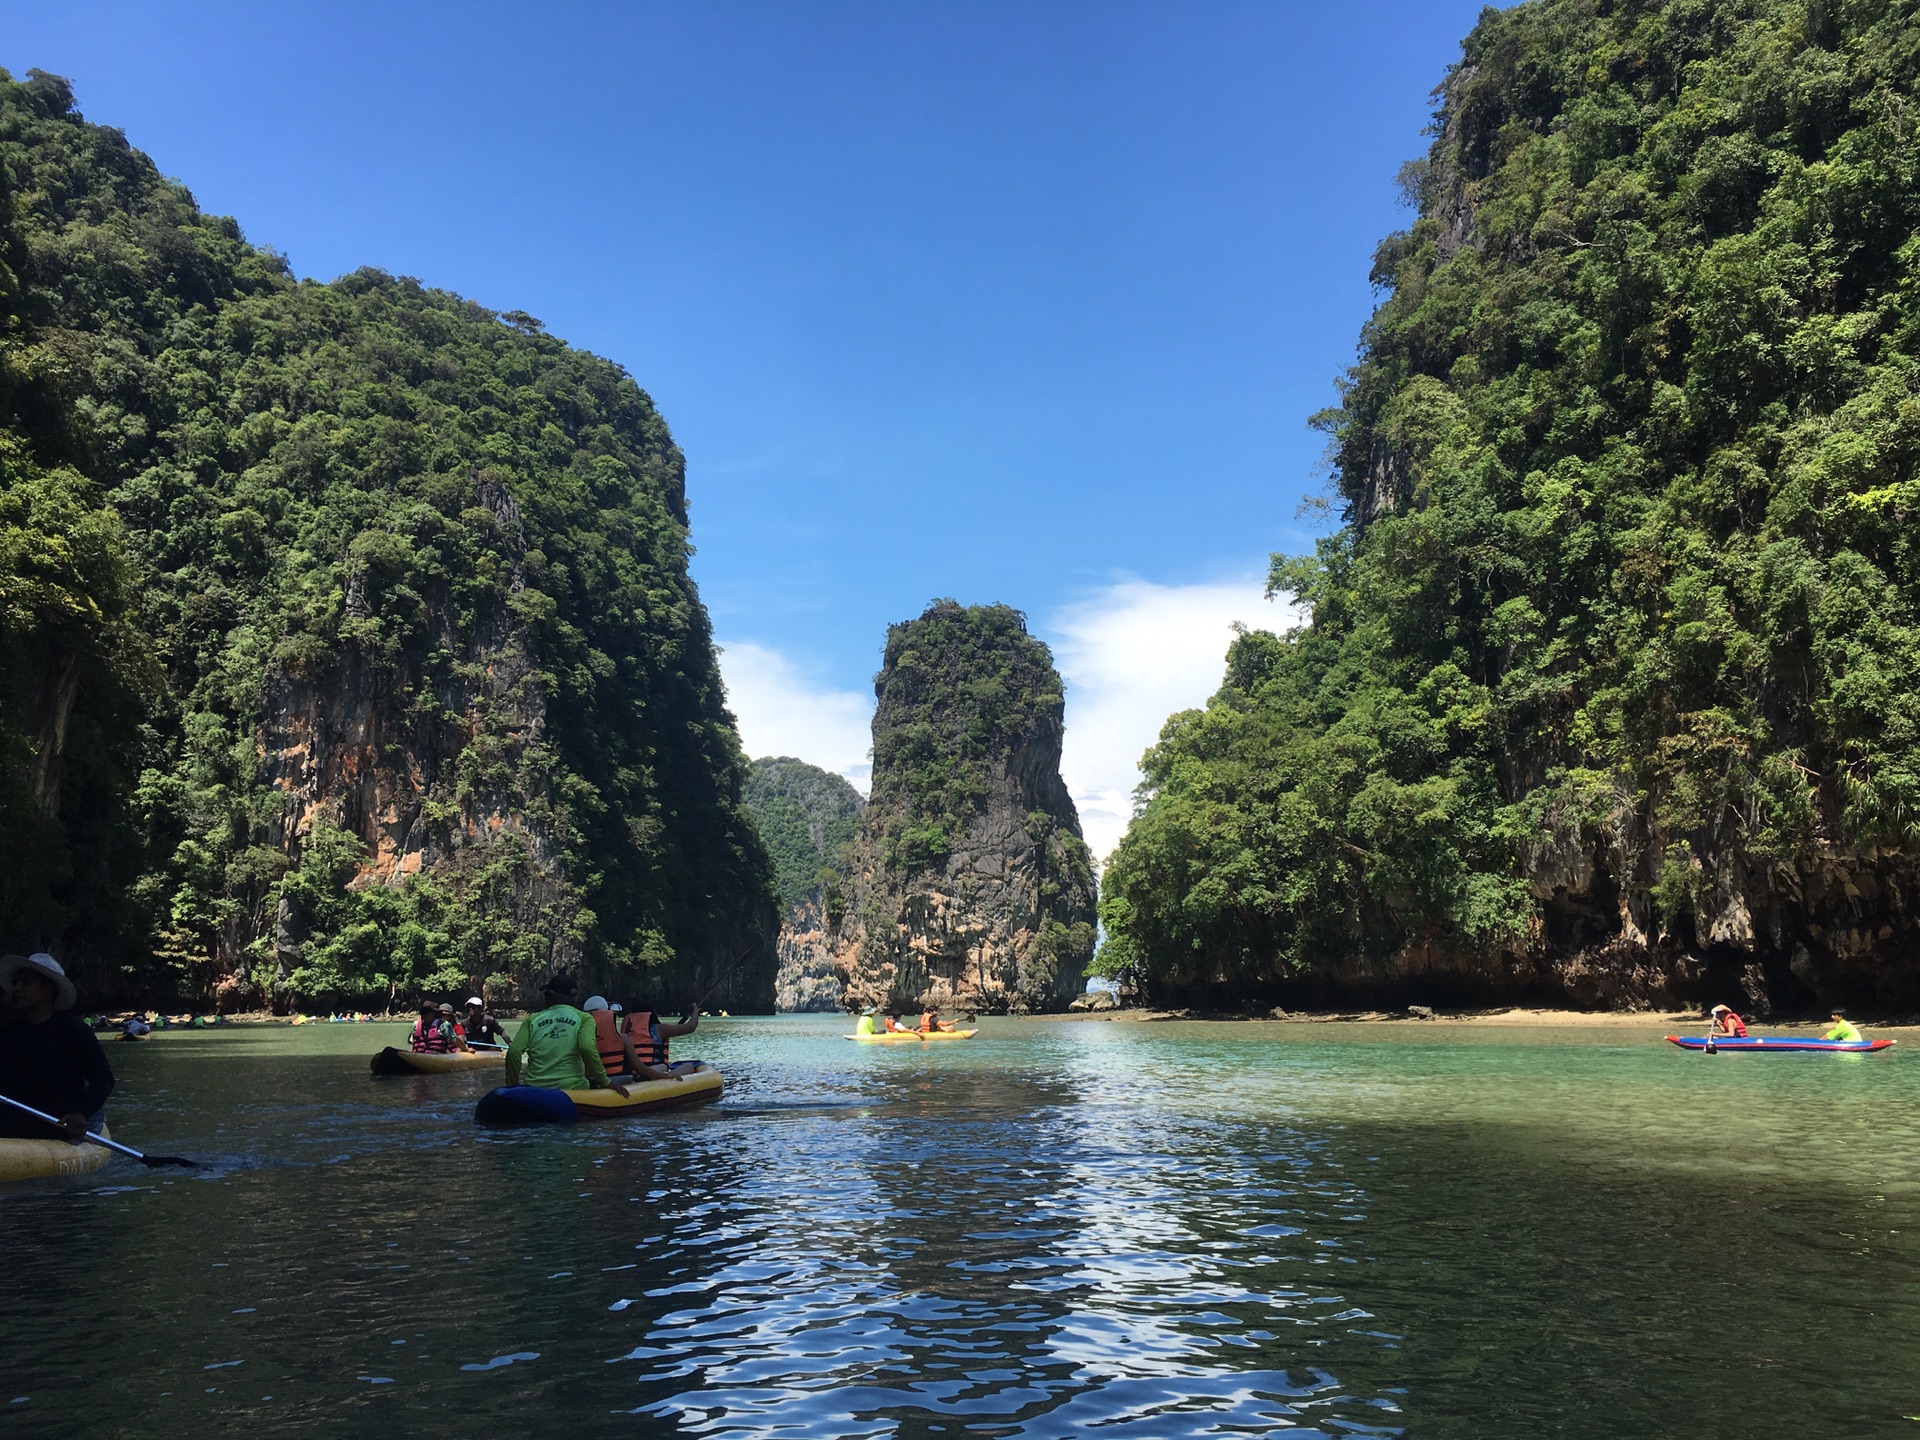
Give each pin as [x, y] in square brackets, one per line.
[1725, 1022]
[864, 1025]
[432, 1032]
[894, 1027]
[1843, 1028]
[49, 1059]
[556, 1046]
[456, 1032]
[930, 1021]
[616, 1049]
[482, 1028]
[651, 1035]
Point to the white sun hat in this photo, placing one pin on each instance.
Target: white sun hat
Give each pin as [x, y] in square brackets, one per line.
[595, 1002]
[44, 964]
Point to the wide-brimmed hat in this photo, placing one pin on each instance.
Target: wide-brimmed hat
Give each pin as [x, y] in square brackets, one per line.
[1719, 1008]
[43, 964]
[595, 1002]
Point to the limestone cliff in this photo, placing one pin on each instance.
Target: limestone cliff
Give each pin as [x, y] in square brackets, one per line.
[970, 885]
[807, 818]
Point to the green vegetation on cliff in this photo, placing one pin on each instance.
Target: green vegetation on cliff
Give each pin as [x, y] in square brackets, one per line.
[1617, 643]
[807, 818]
[310, 585]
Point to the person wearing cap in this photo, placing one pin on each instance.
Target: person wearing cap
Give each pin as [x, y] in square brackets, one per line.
[555, 1048]
[1843, 1028]
[482, 1028]
[1725, 1022]
[456, 1032]
[49, 1059]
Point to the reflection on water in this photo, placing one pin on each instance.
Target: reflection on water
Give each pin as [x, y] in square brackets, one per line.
[1054, 1229]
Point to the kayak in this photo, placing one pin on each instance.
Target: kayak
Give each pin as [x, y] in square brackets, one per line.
[391, 1061]
[912, 1036]
[534, 1105]
[1779, 1043]
[50, 1159]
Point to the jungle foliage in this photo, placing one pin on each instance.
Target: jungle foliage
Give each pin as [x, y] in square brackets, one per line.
[225, 492]
[807, 818]
[1628, 569]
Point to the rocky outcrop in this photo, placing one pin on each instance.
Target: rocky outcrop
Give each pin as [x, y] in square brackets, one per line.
[807, 818]
[970, 885]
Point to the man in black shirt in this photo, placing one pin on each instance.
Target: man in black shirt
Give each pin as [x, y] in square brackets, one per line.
[482, 1028]
[49, 1059]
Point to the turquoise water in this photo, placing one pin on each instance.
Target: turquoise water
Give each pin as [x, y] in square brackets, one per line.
[1057, 1228]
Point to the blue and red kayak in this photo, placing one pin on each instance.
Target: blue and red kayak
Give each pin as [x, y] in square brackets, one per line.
[1778, 1043]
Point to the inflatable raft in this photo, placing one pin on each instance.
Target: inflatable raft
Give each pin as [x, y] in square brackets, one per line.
[912, 1037]
[532, 1105]
[1777, 1044]
[392, 1061]
[50, 1159]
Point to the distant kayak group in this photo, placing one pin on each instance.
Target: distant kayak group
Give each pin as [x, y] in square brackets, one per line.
[1727, 1031]
[876, 1028]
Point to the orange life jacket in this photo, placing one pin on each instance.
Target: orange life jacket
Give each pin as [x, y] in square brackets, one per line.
[930, 1021]
[613, 1054]
[648, 1043]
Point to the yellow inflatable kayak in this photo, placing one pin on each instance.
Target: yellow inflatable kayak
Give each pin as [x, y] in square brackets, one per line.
[393, 1061]
[912, 1037]
[50, 1159]
[533, 1105]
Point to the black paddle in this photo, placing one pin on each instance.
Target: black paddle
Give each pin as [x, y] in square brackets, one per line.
[150, 1161]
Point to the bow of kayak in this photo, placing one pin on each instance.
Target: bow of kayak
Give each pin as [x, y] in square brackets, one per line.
[1778, 1044]
[50, 1159]
[392, 1061]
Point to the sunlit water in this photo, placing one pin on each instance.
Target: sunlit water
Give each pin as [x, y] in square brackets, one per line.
[1057, 1228]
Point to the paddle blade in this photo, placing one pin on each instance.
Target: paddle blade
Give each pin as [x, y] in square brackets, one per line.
[152, 1161]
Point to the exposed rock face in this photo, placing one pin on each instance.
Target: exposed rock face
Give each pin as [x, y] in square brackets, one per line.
[970, 887]
[807, 983]
[807, 818]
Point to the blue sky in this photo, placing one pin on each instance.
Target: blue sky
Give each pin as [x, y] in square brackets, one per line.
[1024, 302]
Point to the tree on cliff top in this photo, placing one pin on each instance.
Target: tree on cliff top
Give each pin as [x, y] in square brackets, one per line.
[1628, 585]
[369, 487]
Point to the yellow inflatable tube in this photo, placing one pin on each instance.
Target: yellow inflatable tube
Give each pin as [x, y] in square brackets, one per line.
[911, 1037]
[50, 1159]
[395, 1061]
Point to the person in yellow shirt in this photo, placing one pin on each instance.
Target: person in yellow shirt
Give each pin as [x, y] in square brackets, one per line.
[1843, 1028]
[557, 1048]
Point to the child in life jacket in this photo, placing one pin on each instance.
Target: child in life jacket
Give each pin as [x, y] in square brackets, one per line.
[431, 1034]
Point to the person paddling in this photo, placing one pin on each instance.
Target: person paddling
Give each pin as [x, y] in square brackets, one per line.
[1726, 1023]
[482, 1028]
[864, 1025]
[557, 1046]
[616, 1048]
[651, 1035]
[49, 1059]
[432, 1033]
[1843, 1028]
[894, 1027]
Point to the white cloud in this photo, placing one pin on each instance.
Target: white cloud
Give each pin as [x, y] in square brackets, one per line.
[1132, 654]
[782, 712]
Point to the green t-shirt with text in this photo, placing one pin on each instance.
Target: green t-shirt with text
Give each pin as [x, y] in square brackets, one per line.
[558, 1049]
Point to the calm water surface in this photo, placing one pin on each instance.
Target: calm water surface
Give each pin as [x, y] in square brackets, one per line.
[1054, 1229]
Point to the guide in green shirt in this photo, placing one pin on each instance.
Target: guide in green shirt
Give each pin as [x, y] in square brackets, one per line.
[1843, 1028]
[556, 1045]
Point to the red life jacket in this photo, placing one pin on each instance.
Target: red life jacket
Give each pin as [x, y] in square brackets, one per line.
[432, 1042]
[613, 1054]
[1732, 1024]
[648, 1043]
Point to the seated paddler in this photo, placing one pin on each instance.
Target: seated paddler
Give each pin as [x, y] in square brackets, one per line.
[432, 1033]
[49, 1059]
[482, 1028]
[1726, 1023]
[556, 1048]
[1843, 1028]
[616, 1049]
[652, 1035]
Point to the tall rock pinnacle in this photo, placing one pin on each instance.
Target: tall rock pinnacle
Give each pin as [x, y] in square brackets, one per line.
[970, 885]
